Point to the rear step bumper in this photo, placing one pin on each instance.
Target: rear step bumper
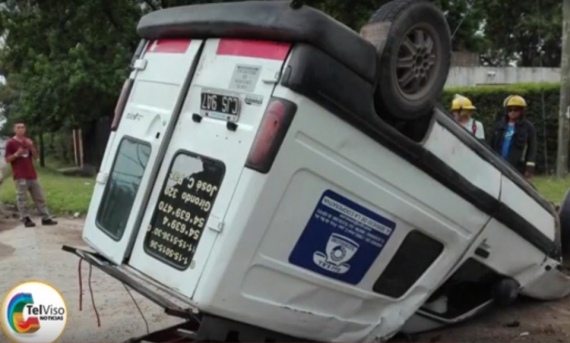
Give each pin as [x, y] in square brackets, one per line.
[136, 283]
[198, 327]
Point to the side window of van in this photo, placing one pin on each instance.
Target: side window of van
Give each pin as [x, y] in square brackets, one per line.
[415, 255]
[122, 186]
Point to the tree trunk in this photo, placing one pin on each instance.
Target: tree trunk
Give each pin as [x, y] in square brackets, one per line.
[564, 110]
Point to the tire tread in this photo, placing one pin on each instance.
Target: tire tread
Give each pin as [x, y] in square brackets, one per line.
[390, 11]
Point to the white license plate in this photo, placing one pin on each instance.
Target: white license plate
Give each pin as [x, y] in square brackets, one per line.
[215, 104]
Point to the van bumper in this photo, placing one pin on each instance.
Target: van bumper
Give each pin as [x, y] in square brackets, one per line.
[138, 282]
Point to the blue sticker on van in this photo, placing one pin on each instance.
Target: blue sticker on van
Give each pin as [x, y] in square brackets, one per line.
[342, 239]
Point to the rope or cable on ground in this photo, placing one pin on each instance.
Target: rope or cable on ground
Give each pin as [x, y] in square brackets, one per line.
[138, 308]
[93, 298]
[80, 285]
[79, 272]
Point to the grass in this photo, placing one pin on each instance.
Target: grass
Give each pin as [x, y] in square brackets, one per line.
[551, 188]
[64, 194]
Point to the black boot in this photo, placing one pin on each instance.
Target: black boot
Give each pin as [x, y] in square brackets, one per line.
[49, 221]
[28, 222]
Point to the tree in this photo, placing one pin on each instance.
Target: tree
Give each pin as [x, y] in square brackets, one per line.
[465, 20]
[70, 58]
[526, 31]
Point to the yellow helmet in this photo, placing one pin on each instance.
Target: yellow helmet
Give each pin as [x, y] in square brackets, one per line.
[514, 101]
[461, 103]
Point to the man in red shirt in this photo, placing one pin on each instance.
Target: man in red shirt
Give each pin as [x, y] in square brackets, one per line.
[19, 153]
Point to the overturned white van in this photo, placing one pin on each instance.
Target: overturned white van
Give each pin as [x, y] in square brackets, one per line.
[274, 176]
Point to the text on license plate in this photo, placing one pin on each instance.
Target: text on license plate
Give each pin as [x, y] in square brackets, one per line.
[220, 106]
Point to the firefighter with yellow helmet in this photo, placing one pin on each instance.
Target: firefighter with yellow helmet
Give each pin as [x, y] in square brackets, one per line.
[462, 109]
[514, 136]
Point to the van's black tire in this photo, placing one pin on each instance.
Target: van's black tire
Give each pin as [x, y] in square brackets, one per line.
[391, 30]
[564, 216]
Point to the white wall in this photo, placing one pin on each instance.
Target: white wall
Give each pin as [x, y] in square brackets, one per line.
[474, 76]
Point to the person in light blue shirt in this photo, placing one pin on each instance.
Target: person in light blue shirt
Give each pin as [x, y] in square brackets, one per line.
[506, 147]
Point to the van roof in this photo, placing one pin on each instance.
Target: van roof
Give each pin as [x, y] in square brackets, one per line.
[268, 20]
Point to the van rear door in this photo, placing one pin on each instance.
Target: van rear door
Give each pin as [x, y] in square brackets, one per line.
[157, 83]
[224, 108]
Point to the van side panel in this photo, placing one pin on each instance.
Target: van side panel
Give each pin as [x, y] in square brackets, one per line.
[323, 155]
[521, 203]
[446, 146]
[282, 271]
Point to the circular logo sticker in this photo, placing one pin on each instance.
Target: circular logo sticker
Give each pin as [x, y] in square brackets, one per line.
[33, 312]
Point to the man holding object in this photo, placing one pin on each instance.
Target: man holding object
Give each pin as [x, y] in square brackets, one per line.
[19, 153]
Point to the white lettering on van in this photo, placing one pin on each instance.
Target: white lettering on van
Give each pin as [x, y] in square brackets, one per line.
[204, 204]
[177, 177]
[171, 192]
[356, 216]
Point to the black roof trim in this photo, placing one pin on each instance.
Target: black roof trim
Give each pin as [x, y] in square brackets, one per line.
[270, 20]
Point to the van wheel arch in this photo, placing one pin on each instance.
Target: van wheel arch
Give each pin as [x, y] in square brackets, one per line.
[413, 42]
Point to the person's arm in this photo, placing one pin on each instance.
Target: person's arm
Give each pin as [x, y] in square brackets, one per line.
[480, 131]
[530, 158]
[11, 153]
[33, 149]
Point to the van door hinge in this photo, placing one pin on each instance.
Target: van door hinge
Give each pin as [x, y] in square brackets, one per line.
[139, 64]
[215, 224]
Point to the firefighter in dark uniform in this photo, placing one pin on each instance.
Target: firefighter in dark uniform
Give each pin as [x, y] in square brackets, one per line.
[514, 137]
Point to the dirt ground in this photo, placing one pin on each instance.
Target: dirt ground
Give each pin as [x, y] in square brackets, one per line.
[35, 253]
[525, 321]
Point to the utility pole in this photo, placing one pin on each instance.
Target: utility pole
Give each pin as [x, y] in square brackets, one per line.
[564, 111]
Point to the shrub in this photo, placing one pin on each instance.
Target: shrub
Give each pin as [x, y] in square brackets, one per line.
[543, 103]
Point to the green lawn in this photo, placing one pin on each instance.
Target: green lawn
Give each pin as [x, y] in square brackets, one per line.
[64, 194]
[551, 188]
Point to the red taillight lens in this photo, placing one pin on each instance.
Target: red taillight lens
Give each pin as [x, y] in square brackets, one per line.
[274, 126]
[121, 103]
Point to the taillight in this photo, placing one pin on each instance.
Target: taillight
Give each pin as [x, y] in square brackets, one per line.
[274, 125]
[121, 103]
